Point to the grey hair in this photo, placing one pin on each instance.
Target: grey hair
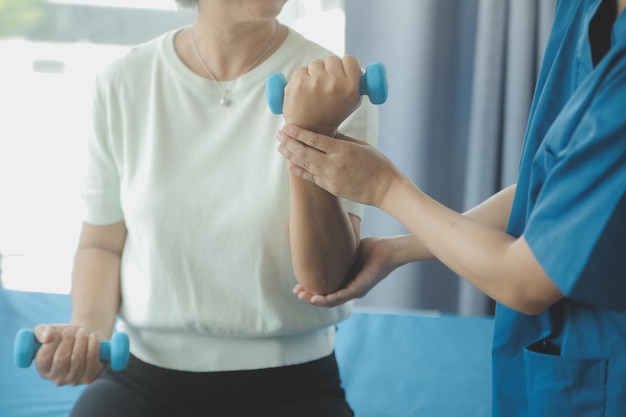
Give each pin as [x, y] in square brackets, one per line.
[187, 4]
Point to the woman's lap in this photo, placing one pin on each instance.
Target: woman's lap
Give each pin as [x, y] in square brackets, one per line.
[310, 389]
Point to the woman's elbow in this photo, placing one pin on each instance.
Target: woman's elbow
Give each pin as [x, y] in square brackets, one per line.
[320, 282]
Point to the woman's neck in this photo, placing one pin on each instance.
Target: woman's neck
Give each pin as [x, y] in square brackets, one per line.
[230, 49]
[621, 5]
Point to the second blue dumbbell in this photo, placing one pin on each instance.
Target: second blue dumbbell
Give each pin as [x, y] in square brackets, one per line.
[373, 84]
[116, 351]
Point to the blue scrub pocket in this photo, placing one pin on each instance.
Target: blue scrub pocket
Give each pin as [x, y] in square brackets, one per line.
[558, 386]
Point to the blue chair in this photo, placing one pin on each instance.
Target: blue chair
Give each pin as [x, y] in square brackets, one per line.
[392, 364]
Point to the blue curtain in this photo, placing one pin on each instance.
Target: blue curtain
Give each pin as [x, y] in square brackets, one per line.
[461, 75]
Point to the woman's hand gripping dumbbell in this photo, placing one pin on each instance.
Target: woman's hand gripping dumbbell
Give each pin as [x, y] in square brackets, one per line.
[373, 83]
[330, 76]
[114, 351]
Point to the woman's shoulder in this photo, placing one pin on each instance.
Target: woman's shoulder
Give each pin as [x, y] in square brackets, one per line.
[299, 45]
[297, 50]
[135, 62]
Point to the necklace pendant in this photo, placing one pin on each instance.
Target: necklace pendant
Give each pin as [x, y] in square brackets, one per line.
[225, 101]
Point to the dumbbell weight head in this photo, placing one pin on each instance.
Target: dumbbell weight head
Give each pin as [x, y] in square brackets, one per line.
[275, 91]
[25, 348]
[115, 351]
[374, 83]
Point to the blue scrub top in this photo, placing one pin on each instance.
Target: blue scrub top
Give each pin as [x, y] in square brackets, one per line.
[570, 205]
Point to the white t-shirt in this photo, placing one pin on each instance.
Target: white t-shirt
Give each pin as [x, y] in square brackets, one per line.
[206, 271]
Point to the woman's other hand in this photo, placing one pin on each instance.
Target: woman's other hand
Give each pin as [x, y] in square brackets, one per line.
[69, 355]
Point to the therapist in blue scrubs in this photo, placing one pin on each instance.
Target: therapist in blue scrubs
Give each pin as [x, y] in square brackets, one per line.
[551, 250]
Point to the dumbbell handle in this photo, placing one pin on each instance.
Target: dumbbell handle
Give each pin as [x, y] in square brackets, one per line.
[115, 351]
[373, 84]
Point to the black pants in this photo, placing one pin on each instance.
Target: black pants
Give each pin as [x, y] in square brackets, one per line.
[307, 390]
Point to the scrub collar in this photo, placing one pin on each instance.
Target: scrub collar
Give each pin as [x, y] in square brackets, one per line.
[618, 32]
[618, 37]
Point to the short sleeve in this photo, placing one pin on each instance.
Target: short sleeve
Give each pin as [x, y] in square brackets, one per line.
[363, 125]
[101, 182]
[577, 227]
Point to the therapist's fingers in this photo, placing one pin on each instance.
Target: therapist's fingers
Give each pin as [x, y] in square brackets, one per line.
[300, 165]
[314, 140]
[301, 293]
[341, 136]
[304, 156]
[335, 299]
[312, 157]
[304, 295]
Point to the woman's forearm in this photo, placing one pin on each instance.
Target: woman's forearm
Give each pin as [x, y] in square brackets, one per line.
[324, 238]
[95, 290]
[95, 293]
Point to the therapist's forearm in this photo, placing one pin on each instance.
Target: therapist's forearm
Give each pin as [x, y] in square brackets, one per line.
[500, 265]
[494, 211]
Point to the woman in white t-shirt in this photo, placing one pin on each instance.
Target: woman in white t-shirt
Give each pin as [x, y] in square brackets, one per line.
[195, 233]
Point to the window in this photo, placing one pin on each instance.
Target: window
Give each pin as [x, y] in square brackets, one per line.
[50, 51]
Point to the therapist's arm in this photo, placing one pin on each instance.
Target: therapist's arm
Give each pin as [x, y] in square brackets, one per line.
[500, 265]
[70, 352]
[494, 212]
[378, 257]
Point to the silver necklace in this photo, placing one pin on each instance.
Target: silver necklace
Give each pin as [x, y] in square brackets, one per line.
[225, 100]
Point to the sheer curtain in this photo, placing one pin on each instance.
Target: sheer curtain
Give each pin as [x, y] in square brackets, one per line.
[461, 75]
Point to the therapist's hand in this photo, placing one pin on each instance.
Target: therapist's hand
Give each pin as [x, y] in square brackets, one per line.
[372, 266]
[69, 354]
[323, 94]
[343, 166]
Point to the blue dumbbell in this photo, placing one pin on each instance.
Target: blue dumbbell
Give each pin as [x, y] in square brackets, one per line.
[373, 84]
[116, 351]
